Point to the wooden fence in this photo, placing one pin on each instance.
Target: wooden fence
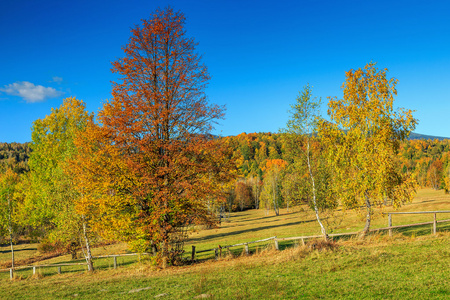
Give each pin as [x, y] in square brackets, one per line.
[58, 266]
[434, 222]
[218, 250]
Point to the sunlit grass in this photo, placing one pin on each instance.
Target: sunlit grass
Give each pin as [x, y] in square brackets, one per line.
[300, 221]
[376, 267]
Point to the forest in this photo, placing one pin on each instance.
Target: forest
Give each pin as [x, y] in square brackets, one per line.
[146, 167]
[14, 156]
[426, 160]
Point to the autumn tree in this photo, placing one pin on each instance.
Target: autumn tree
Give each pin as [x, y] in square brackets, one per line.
[8, 206]
[300, 134]
[256, 184]
[272, 182]
[362, 139]
[154, 132]
[434, 174]
[244, 196]
[51, 197]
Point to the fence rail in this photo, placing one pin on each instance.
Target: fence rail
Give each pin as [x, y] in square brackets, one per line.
[58, 266]
[218, 250]
[417, 212]
[434, 222]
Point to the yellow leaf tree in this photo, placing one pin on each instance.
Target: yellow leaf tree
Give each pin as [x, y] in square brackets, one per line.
[271, 188]
[50, 196]
[8, 206]
[362, 139]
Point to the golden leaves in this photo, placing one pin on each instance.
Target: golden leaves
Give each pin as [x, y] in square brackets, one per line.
[362, 141]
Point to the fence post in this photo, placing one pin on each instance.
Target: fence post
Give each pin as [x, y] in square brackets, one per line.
[434, 224]
[246, 249]
[34, 270]
[193, 253]
[59, 270]
[276, 243]
[216, 253]
[11, 273]
[390, 224]
[115, 262]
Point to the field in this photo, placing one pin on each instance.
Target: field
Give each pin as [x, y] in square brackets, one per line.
[411, 264]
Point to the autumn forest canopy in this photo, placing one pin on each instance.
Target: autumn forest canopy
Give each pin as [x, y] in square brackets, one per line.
[146, 168]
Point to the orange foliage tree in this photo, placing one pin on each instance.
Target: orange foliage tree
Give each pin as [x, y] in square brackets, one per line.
[244, 195]
[434, 174]
[151, 157]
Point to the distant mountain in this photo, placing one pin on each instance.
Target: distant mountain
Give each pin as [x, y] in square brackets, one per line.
[418, 136]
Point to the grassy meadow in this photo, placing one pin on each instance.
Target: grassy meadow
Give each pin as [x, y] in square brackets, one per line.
[411, 264]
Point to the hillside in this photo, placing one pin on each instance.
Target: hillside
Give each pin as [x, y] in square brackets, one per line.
[418, 136]
[14, 156]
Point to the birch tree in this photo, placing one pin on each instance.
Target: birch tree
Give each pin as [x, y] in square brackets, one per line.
[300, 133]
[272, 180]
[363, 138]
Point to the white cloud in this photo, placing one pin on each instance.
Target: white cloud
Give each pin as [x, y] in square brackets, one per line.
[29, 92]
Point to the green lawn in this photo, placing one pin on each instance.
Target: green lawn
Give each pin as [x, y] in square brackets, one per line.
[413, 264]
[380, 268]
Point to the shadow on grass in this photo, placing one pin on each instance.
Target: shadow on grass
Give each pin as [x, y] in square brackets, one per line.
[423, 229]
[269, 219]
[424, 201]
[265, 217]
[226, 234]
[17, 250]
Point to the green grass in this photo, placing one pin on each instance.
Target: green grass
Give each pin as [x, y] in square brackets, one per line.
[300, 221]
[412, 264]
[380, 267]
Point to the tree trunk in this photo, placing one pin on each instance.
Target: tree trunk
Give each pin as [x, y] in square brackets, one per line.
[165, 254]
[10, 231]
[256, 195]
[368, 216]
[257, 187]
[311, 176]
[275, 206]
[88, 254]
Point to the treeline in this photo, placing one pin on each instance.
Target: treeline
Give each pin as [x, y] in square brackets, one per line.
[14, 156]
[428, 161]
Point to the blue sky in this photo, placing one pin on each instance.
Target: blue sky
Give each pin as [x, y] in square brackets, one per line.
[260, 54]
